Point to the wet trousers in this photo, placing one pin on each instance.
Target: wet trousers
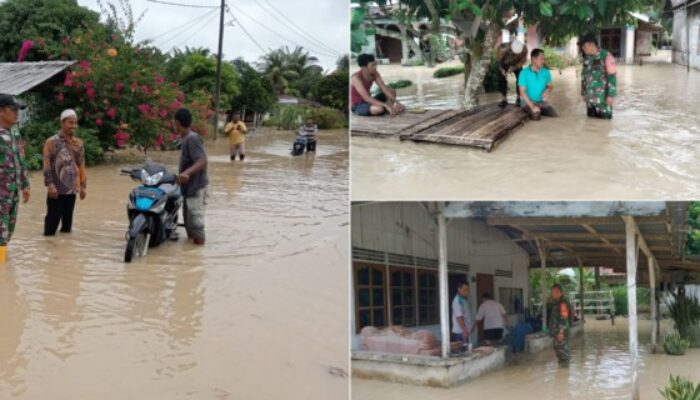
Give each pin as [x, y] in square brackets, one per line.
[8, 216]
[59, 210]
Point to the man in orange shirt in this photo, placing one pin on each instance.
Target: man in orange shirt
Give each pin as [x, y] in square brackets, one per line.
[64, 174]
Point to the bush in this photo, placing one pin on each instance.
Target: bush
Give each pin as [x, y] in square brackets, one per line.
[448, 71]
[620, 297]
[36, 133]
[400, 84]
[685, 312]
[675, 345]
[554, 60]
[328, 118]
[679, 388]
[694, 336]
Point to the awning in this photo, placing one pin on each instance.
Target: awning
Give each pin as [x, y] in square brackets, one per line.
[17, 78]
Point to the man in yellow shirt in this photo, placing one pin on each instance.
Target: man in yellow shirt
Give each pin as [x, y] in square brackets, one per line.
[236, 130]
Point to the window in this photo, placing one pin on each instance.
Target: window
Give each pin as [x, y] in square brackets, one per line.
[428, 297]
[370, 289]
[403, 311]
[511, 299]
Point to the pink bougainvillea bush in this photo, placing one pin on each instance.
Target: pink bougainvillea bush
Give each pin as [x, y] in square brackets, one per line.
[120, 91]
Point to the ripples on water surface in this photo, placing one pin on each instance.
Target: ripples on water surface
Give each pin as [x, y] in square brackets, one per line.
[238, 318]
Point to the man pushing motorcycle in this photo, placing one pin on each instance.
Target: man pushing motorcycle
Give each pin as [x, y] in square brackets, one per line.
[192, 176]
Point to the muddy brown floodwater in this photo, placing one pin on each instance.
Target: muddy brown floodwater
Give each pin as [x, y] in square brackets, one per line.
[257, 313]
[599, 369]
[649, 150]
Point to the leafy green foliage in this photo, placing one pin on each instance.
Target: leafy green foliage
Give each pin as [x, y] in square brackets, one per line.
[197, 72]
[256, 93]
[620, 298]
[685, 312]
[36, 133]
[328, 118]
[400, 84]
[332, 90]
[448, 71]
[692, 244]
[554, 60]
[679, 388]
[675, 345]
[49, 20]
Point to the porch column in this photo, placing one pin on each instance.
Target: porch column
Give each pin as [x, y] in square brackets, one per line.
[543, 282]
[442, 273]
[629, 45]
[652, 293]
[631, 250]
[582, 288]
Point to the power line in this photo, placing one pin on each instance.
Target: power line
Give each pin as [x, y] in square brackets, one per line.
[303, 35]
[200, 27]
[168, 3]
[281, 36]
[246, 32]
[188, 23]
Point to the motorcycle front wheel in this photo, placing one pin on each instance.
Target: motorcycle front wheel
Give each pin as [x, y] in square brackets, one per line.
[136, 244]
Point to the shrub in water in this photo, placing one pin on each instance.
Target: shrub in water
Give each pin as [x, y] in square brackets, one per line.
[675, 345]
[400, 84]
[679, 388]
[685, 312]
[448, 71]
[328, 118]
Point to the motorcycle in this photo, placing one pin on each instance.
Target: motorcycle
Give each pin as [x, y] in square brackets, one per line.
[152, 209]
[298, 146]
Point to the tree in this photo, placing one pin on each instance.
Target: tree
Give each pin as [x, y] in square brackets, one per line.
[479, 24]
[50, 21]
[256, 94]
[332, 90]
[283, 67]
[198, 73]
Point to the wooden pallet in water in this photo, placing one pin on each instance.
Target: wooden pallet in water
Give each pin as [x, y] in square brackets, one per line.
[483, 127]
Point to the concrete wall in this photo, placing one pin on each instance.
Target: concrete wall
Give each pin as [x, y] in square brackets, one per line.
[680, 29]
[643, 43]
[406, 228]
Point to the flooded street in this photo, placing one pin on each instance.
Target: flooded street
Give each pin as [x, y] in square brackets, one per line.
[257, 313]
[599, 369]
[648, 150]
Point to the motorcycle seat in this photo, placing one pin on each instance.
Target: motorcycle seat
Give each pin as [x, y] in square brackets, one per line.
[173, 191]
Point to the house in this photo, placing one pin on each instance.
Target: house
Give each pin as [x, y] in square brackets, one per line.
[18, 78]
[686, 31]
[408, 257]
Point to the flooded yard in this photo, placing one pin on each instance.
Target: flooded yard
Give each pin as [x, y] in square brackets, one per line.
[648, 150]
[599, 369]
[256, 313]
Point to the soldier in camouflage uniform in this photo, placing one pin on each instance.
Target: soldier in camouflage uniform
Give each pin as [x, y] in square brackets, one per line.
[559, 323]
[13, 175]
[598, 78]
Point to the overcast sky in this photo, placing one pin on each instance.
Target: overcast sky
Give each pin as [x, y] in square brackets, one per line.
[326, 21]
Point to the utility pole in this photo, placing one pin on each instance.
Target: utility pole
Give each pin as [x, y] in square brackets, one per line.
[217, 94]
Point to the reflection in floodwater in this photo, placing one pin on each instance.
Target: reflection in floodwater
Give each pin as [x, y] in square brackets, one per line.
[222, 321]
[649, 149]
[599, 369]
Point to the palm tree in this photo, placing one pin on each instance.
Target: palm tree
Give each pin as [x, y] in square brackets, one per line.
[276, 67]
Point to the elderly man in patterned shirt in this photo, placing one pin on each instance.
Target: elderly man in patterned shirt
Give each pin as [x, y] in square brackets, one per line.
[64, 174]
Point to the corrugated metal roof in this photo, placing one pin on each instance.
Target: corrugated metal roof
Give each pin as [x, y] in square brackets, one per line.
[17, 78]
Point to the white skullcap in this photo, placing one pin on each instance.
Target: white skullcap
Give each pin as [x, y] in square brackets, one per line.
[516, 46]
[68, 113]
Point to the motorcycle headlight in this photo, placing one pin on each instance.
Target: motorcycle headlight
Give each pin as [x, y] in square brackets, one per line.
[151, 180]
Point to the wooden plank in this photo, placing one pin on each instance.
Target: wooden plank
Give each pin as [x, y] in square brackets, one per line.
[484, 128]
[388, 125]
